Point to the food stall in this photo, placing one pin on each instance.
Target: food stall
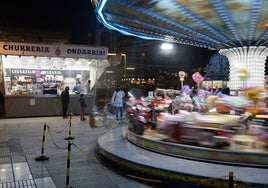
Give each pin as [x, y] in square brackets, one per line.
[32, 76]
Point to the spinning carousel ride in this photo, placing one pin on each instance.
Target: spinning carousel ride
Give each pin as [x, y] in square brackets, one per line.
[236, 28]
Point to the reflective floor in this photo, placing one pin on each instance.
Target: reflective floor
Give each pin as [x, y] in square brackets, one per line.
[19, 175]
[21, 142]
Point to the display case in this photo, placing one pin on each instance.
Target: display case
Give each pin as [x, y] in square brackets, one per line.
[50, 88]
[36, 82]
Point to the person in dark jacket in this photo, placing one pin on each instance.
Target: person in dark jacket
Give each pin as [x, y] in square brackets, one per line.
[65, 100]
[83, 106]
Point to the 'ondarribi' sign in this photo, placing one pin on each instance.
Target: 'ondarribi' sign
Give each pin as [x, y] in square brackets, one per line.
[52, 50]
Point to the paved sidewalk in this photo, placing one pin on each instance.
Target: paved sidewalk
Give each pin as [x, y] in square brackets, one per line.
[21, 143]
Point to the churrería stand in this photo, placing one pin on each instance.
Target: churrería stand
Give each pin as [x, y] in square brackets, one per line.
[32, 76]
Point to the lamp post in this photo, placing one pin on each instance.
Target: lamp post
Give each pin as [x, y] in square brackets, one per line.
[125, 65]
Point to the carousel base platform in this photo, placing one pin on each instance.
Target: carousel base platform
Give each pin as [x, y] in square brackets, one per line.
[162, 170]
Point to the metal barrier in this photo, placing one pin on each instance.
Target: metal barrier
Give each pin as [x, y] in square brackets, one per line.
[69, 139]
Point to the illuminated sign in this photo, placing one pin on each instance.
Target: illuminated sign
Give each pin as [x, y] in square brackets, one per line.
[66, 51]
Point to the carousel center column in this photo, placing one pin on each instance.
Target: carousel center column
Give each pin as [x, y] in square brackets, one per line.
[249, 61]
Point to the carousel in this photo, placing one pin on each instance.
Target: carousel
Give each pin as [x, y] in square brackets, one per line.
[196, 119]
[199, 123]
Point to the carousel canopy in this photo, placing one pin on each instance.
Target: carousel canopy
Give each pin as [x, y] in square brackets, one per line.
[212, 24]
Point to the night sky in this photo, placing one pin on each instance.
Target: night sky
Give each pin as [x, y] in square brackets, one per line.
[71, 16]
[78, 19]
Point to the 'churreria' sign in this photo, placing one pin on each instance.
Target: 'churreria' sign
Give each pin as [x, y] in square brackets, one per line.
[72, 51]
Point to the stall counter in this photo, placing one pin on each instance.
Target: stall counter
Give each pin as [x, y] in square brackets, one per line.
[43, 105]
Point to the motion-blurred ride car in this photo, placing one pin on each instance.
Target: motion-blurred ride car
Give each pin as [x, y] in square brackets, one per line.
[208, 130]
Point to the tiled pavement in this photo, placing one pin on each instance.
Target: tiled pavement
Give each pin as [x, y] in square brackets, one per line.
[21, 142]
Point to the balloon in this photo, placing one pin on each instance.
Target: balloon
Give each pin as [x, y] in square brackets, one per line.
[186, 89]
[243, 74]
[197, 77]
[182, 75]
[201, 93]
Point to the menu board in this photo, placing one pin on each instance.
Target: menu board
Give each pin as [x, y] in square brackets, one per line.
[39, 81]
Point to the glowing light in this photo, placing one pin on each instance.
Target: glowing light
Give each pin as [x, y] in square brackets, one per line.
[3, 170]
[250, 58]
[109, 72]
[166, 46]
[130, 68]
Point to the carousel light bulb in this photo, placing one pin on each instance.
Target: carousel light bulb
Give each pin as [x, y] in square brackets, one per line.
[252, 58]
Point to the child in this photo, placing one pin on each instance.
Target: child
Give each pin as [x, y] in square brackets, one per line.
[83, 106]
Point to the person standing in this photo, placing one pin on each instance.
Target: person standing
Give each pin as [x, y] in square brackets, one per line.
[77, 88]
[83, 106]
[88, 86]
[117, 102]
[65, 100]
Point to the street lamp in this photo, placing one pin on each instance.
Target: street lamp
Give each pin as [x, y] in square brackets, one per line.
[166, 46]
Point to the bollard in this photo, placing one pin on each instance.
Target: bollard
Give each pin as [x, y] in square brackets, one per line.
[42, 157]
[231, 179]
[106, 121]
[68, 164]
[70, 129]
[92, 120]
[94, 112]
[105, 117]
